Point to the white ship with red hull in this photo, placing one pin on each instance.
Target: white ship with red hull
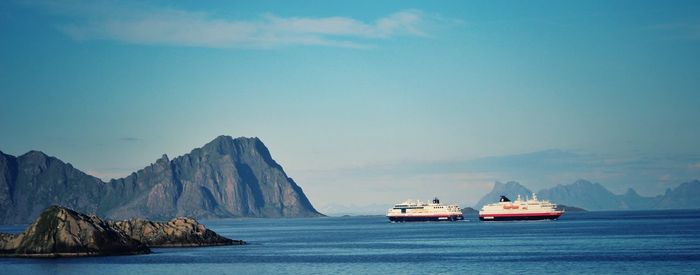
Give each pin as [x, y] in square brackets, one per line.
[528, 209]
[414, 211]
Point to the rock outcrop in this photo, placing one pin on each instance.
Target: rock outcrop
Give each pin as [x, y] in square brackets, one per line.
[61, 232]
[177, 232]
[225, 178]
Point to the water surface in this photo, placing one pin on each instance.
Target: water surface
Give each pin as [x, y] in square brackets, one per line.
[648, 242]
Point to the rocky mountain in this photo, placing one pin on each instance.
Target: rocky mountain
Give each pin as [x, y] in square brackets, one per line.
[509, 189]
[225, 178]
[582, 193]
[631, 200]
[33, 181]
[593, 196]
[62, 232]
[687, 195]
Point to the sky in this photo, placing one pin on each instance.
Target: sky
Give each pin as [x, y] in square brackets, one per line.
[364, 102]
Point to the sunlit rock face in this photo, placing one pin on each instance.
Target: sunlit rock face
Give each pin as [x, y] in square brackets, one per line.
[225, 178]
[60, 232]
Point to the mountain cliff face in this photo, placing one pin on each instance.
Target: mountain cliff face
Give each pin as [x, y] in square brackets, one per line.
[225, 178]
[31, 182]
[593, 196]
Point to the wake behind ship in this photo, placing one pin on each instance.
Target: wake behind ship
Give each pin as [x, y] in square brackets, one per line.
[412, 211]
[528, 209]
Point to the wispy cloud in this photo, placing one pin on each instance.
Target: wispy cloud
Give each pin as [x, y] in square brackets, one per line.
[680, 30]
[150, 25]
[129, 139]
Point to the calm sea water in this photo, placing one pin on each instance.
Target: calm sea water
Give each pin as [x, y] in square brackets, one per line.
[647, 242]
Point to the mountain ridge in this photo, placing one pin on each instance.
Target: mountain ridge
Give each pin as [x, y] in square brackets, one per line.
[594, 196]
[224, 178]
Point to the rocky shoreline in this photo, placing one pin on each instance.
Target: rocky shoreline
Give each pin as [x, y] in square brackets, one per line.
[178, 232]
[62, 232]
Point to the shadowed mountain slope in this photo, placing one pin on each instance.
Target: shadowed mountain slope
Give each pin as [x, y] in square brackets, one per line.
[227, 177]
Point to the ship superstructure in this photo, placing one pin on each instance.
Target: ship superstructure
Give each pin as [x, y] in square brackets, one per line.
[411, 210]
[527, 209]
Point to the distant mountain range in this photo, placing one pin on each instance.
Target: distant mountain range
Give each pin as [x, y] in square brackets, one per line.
[227, 177]
[593, 196]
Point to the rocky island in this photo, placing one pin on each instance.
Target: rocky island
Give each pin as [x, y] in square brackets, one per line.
[62, 232]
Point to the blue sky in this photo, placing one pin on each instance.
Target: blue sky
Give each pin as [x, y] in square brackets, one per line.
[339, 90]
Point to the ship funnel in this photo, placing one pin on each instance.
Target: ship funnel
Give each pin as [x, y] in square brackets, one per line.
[504, 199]
[436, 200]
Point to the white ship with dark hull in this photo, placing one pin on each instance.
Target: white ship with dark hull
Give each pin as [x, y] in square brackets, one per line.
[528, 209]
[414, 211]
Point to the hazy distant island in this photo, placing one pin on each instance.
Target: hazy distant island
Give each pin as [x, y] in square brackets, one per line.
[62, 232]
[584, 194]
[225, 178]
[579, 196]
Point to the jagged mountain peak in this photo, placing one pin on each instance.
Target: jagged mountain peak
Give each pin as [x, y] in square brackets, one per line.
[683, 196]
[163, 159]
[34, 155]
[583, 182]
[225, 143]
[239, 147]
[508, 184]
[631, 192]
[227, 177]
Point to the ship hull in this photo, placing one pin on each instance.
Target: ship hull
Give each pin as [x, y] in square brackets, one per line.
[519, 217]
[425, 218]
